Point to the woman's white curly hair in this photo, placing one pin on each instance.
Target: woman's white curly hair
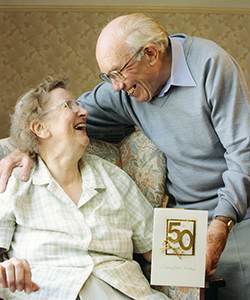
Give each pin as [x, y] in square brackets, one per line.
[28, 109]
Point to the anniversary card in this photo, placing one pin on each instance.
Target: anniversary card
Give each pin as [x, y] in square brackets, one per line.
[179, 247]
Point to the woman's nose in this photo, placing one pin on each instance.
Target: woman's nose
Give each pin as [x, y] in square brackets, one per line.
[82, 111]
[117, 85]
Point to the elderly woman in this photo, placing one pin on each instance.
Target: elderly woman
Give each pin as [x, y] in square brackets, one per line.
[75, 223]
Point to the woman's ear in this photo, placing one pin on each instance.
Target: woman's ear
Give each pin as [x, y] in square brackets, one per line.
[40, 129]
[152, 53]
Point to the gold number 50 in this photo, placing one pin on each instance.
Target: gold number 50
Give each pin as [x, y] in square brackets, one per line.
[180, 235]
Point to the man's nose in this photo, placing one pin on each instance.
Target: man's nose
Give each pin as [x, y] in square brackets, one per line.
[117, 85]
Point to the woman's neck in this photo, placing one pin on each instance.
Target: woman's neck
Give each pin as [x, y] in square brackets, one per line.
[65, 170]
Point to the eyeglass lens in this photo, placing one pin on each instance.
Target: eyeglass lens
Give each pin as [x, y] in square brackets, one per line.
[72, 105]
[105, 77]
[116, 75]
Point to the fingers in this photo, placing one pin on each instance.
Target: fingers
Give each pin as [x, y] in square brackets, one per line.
[5, 172]
[210, 267]
[8, 276]
[35, 287]
[28, 285]
[23, 277]
[211, 273]
[26, 165]
[14, 159]
[16, 275]
[3, 281]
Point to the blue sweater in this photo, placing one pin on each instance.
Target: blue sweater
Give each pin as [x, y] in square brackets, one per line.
[203, 130]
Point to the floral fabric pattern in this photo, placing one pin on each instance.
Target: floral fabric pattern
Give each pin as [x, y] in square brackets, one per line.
[140, 159]
[105, 150]
[5, 147]
[145, 164]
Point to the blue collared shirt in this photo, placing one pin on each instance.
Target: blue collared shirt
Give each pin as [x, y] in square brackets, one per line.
[180, 74]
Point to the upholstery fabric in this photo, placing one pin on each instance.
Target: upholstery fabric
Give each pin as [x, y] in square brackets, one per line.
[105, 150]
[5, 147]
[145, 164]
[140, 159]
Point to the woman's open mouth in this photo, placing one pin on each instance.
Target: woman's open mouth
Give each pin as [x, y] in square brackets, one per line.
[80, 126]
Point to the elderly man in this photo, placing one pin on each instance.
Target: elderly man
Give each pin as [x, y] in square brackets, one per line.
[190, 98]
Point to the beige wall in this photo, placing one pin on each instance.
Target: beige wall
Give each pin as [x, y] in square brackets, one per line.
[39, 40]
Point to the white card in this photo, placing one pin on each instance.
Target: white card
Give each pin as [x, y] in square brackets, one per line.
[179, 247]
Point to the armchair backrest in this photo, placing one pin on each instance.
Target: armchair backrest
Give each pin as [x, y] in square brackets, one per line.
[135, 154]
[140, 159]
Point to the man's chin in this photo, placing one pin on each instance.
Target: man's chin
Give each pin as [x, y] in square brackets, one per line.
[142, 99]
[141, 94]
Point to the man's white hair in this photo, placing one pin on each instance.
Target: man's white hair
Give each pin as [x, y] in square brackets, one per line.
[140, 30]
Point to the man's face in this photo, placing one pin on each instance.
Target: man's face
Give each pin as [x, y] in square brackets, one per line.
[141, 77]
[140, 81]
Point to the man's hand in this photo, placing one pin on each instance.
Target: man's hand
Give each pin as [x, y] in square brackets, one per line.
[16, 275]
[216, 242]
[14, 159]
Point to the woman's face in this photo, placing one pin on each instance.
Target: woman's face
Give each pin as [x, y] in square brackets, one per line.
[66, 123]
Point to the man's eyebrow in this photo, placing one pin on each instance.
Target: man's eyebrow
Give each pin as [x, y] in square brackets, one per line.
[114, 68]
[117, 66]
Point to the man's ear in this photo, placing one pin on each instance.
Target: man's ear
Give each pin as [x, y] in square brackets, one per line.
[152, 53]
[40, 129]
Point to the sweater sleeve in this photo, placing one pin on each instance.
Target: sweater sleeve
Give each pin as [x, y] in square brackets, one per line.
[228, 97]
[108, 118]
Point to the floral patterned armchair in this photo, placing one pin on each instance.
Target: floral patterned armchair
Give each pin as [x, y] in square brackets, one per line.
[146, 164]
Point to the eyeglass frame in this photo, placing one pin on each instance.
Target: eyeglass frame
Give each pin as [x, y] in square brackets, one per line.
[64, 102]
[106, 77]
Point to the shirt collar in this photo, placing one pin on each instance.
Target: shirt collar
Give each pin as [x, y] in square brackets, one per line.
[180, 74]
[91, 181]
[41, 174]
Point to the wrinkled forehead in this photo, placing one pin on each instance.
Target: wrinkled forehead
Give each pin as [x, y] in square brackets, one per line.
[111, 48]
[59, 95]
[112, 57]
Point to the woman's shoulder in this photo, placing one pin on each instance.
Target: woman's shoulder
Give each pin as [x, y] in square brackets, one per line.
[15, 183]
[105, 168]
[96, 161]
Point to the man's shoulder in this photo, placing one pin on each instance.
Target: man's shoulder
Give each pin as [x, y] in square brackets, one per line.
[194, 44]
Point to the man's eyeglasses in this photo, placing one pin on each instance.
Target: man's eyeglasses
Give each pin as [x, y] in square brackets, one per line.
[71, 104]
[117, 75]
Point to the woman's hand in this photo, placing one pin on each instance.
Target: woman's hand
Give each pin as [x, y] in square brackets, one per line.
[14, 159]
[16, 275]
[148, 256]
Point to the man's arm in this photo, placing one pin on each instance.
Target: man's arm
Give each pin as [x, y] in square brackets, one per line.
[14, 159]
[109, 116]
[228, 97]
